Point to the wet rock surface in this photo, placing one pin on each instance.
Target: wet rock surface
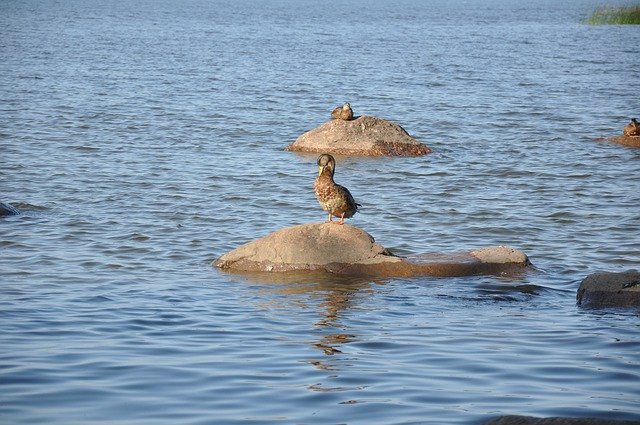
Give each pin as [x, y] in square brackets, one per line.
[609, 289]
[365, 136]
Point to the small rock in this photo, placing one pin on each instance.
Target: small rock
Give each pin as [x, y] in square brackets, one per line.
[609, 289]
[365, 135]
[529, 420]
[6, 210]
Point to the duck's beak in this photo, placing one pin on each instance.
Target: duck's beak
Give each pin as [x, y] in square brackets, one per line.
[320, 168]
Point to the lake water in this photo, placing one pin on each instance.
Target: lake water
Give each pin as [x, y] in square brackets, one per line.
[144, 139]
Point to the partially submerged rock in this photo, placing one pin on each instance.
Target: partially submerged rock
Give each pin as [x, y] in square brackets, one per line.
[6, 210]
[348, 250]
[633, 141]
[609, 289]
[530, 420]
[365, 135]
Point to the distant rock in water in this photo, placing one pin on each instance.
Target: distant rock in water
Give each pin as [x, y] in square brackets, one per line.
[349, 250]
[529, 420]
[609, 289]
[6, 210]
[365, 135]
[632, 141]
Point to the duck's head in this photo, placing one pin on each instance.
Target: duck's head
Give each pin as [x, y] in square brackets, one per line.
[326, 162]
[346, 106]
[633, 120]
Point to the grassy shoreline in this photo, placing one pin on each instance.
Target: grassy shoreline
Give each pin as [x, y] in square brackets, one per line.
[615, 15]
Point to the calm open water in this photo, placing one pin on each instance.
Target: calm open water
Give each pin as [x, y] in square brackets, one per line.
[144, 139]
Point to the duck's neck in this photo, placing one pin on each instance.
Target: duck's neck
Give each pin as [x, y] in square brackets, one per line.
[326, 175]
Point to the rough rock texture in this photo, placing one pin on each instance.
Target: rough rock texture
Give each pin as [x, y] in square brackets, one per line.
[352, 251]
[608, 289]
[6, 210]
[365, 135]
[633, 141]
[307, 247]
[529, 420]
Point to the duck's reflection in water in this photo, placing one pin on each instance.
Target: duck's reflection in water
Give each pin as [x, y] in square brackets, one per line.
[334, 294]
[337, 300]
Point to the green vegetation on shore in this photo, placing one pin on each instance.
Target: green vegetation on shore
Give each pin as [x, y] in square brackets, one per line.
[615, 15]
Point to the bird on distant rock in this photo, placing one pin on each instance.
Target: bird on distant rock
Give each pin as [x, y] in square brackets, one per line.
[333, 198]
[632, 129]
[343, 112]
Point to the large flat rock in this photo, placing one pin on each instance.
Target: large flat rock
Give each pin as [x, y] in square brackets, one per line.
[610, 289]
[365, 135]
[348, 250]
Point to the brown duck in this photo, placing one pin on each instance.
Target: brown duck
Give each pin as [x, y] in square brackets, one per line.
[632, 129]
[333, 198]
[343, 112]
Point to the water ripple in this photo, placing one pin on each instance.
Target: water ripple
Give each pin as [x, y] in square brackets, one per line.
[139, 143]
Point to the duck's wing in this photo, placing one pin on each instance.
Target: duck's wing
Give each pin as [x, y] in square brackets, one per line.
[348, 197]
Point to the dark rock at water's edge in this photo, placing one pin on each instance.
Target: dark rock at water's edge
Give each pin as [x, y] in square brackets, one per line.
[364, 136]
[609, 289]
[6, 210]
[529, 420]
[348, 250]
[633, 141]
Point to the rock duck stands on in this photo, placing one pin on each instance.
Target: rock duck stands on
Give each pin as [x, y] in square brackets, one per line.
[348, 250]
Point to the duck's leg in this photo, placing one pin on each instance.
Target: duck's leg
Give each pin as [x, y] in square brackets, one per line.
[330, 218]
[341, 219]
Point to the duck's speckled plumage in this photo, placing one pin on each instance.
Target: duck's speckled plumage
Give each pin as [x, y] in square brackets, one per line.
[632, 129]
[343, 112]
[335, 199]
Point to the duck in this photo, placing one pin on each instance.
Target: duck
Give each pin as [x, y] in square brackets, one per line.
[343, 112]
[333, 198]
[632, 129]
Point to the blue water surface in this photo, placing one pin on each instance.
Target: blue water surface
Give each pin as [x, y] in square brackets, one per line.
[142, 140]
